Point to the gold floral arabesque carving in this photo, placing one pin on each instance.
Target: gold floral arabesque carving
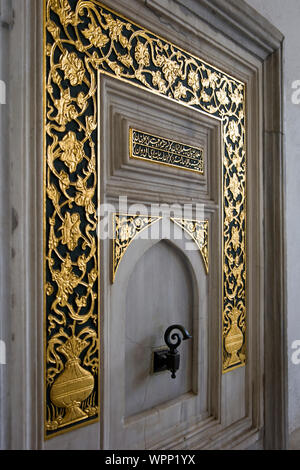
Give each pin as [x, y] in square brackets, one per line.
[198, 231]
[125, 228]
[83, 37]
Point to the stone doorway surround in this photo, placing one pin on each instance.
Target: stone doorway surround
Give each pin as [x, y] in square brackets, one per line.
[240, 42]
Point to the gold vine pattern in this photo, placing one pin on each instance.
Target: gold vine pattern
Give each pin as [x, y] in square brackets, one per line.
[83, 37]
[198, 231]
[126, 227]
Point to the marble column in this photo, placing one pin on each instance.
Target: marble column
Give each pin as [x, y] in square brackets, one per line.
[5, 219]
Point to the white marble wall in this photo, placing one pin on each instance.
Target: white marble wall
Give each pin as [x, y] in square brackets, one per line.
[285, 16]
[152, 306]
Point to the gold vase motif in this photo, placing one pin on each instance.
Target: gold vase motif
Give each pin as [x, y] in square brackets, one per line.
[234, 339]
[74, 384]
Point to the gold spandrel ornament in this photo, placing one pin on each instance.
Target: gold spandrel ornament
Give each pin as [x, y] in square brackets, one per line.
[82, 39]
[198, 231]
[126, 227]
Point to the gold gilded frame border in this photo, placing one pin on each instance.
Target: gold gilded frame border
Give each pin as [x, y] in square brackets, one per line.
[83, 38]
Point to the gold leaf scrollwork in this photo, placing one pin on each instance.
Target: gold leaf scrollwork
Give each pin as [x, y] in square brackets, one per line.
[126, 228]
[72, 151]
[71, 230]
[155, 149]
[142, 55]
[198, 231]
[193, 80]
[73, 68]
[95, 35]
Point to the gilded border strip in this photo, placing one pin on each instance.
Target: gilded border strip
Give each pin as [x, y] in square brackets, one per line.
[83, 37]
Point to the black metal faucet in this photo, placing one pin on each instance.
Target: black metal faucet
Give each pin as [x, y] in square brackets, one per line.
[169, 359]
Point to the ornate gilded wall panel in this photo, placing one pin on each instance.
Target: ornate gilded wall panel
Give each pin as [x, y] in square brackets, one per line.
[126, 227]
[83, 37]
[155, 149]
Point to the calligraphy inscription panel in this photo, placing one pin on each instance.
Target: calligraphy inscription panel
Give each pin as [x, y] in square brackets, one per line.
[81, 38]
[157, 149]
